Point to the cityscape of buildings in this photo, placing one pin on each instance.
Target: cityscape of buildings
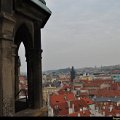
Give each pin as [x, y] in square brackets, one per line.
[91, 92]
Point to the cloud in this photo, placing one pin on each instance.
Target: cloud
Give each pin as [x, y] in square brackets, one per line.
[81, 33]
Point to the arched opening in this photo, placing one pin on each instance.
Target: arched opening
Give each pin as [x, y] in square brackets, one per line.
[23, 41]
[22, 90]
[21, 54]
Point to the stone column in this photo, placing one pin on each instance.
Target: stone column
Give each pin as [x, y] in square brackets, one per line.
[7, 56]
[34, 79]
[38, 98]
[29, 59]
[17, 71]
[34, 70]
[37, 77]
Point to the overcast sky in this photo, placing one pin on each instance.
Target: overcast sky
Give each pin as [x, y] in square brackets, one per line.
[81, 33]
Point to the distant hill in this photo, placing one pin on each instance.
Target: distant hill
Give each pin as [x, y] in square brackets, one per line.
[64, 70]
[87, 69]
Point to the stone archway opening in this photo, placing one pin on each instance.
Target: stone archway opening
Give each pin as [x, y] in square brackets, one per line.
[22, 87]
[22, 56]
[21, 96]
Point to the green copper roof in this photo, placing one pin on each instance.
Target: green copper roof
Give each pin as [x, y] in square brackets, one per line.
[43, 1]
[42, 4]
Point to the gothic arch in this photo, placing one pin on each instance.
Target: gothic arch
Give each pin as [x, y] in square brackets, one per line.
[22, 35]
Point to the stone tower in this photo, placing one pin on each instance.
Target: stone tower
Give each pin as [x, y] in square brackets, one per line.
[21, 21]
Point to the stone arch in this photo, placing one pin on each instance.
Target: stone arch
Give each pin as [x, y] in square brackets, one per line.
[22, 34]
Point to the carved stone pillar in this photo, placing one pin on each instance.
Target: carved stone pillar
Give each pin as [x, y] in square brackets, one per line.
[34, 71]
[34, 79]
[29, 59]
[7, 56]
[37, 78]
[17, 73]
[38, 65]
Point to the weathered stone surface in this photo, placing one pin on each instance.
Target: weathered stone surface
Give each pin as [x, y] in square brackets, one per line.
[7, 23]
[6, 6]
[20, 21]
[33, 113]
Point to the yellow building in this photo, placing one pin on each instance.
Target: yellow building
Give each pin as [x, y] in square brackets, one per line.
[89, 78]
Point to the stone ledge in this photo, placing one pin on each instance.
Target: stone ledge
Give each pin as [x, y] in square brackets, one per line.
[32, 112]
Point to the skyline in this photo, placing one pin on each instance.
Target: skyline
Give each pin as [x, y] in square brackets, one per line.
[84, 33]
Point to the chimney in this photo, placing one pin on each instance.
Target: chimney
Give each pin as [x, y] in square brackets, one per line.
[81, 109]
[65, 97]
[103, 107]
[52, 113]
[78, 114]
[56, 109]
[69, 108]
[103, 113]
[78, 93]
[84, 109]
[73, 107]
[78, 98]
[68, 104]
[110, 108]
[117, 114]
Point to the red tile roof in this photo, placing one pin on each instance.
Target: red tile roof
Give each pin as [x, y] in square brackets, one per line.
[60, 98]
[62, 109]
[105, 93]
[91, 84]
[96, 83]
[114, 112]
[84, 94]
[115, 86]
[115, 71]
[87, 100]
[78, 104]
[82, 114]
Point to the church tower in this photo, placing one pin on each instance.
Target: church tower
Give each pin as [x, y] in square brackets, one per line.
[72, 75]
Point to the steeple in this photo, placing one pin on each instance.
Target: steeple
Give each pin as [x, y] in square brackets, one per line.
[72, 75]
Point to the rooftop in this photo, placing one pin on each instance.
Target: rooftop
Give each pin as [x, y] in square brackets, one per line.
[80, 114]
[104, 99]
[42, 4]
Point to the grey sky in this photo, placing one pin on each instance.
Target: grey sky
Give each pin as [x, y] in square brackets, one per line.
[81, 33]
